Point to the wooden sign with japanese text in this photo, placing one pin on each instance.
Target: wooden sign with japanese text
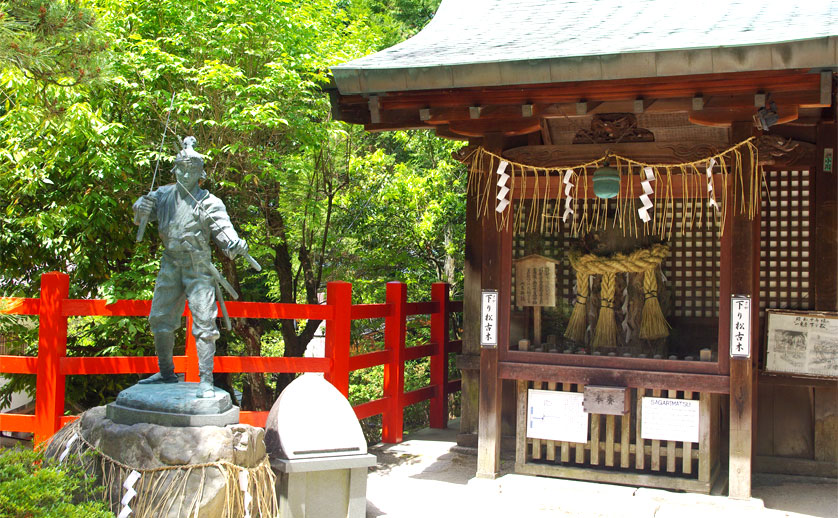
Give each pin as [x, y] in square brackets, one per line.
[535, 281]
[489, 319]
[606, 400]
[802, 342]
[740, 326]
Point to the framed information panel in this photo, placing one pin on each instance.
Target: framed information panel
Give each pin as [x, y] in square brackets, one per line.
[802, 342]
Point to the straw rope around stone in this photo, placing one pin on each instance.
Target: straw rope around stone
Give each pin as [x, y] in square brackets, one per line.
[653, 325]
[159, 490]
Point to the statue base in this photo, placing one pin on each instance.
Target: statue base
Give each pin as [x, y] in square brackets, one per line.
[172, 404]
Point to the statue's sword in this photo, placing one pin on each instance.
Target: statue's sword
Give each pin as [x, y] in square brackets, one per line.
[144, 220]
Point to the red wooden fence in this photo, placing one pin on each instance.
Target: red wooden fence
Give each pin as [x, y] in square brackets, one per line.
[52, 364]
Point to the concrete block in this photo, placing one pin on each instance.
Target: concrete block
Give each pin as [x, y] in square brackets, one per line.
[820, 52]
[742, 59]
[382, 80]
[635, 64]
[480, 74]
[535, 71]
[425, 78]
[683, 62]
[586, 68]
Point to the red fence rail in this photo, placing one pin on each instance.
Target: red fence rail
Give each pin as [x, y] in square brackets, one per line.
[53, 309]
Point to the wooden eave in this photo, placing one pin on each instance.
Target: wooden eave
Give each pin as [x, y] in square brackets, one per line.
[710, 99]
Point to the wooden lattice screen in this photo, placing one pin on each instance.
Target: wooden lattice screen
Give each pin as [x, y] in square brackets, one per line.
[692, 269]
[785, 243]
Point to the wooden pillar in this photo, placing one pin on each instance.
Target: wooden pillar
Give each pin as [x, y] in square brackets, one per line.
[825, 253]
[395, 331]
[439, 361]
[338, 334]
[52, 347]
[825, 249]
[741, 256]
[469, 360]
[489, 426]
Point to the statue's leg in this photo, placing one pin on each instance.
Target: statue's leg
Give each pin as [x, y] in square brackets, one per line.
[200, 289]
[164, 318]
[164, 343]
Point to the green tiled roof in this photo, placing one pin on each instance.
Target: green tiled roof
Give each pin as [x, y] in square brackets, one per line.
[504, 42]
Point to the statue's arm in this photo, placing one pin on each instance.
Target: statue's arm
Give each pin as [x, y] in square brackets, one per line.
[223, 232]
[144, 207]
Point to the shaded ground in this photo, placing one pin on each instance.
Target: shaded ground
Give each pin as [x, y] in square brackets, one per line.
[424, 477]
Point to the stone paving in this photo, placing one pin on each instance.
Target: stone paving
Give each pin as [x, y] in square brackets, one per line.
[423, 477]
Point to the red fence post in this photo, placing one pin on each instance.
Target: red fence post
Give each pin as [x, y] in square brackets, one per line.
[52, 346]
[338, 334]
[192, 370]
[392, 422]
[439, 360]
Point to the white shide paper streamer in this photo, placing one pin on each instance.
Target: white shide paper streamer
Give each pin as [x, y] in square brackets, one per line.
[503, 190]
[568, 188]
[67, 449]
[247, 498]
[130, 493]
[710, 194]
[645, 199]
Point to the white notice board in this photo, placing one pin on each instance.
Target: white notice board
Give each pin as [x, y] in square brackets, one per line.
[556, 416]
[667, 419]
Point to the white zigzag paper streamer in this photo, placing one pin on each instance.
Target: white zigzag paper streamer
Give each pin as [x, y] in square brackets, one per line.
[67, 449]
[568, 187]
[247, 498]
[130, 493]
[645, 199]
[503, 190]
[710, 193]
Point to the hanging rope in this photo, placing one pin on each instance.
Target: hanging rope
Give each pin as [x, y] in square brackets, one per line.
[653, 325]
[712, 199]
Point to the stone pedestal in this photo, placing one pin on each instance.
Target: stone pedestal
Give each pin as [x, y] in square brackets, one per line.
[172, 404]
[149, 447]
[331, 487]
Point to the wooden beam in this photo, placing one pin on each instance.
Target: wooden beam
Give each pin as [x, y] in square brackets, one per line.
[489, 429]
[375, 107]
[614, 377]
[826, 88]
[724, 117]
[743, 261]
[776, 82]
[508, 128]
[568, 155]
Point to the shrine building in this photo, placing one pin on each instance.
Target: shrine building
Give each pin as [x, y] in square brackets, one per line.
[652, 219]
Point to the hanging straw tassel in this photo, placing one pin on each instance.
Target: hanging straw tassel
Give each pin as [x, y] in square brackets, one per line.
[576, 325]
[653, 325]
[606, 325]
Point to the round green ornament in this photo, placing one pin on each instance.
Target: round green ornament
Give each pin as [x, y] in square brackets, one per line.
[606, 182]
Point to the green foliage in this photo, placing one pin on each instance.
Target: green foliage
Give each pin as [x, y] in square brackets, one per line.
[53, 42]
[35, 487]
[316, 199]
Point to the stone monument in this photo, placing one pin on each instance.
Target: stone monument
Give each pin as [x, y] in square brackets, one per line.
[189, 219]
[167, 448]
